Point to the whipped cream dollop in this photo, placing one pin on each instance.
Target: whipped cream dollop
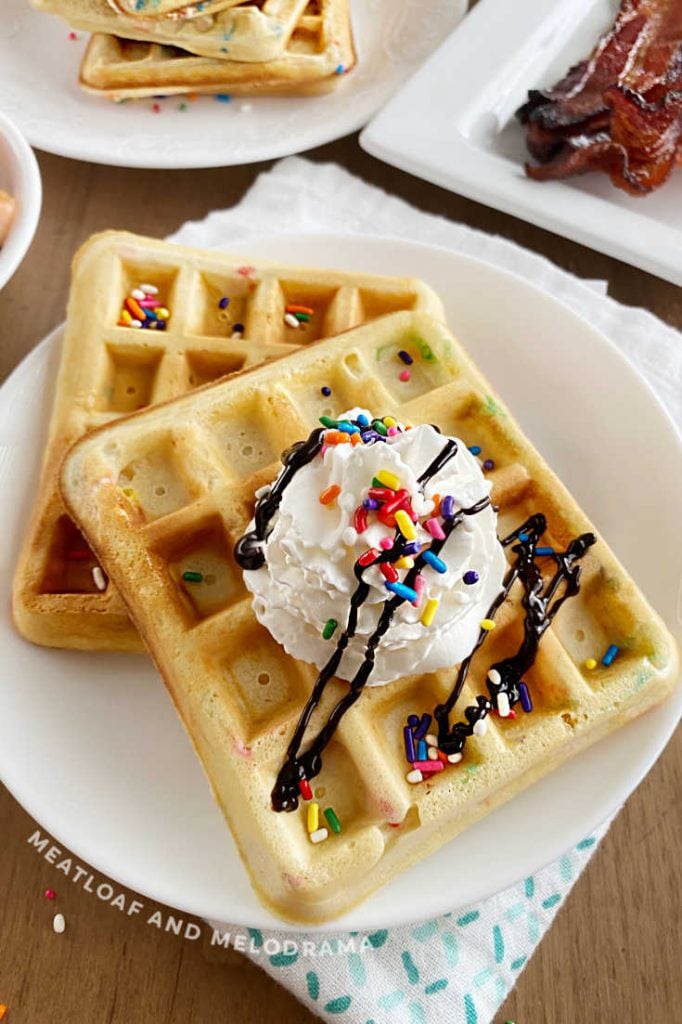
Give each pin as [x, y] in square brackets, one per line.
[310, 553]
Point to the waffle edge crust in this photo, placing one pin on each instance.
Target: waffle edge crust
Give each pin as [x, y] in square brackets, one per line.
[240, 695]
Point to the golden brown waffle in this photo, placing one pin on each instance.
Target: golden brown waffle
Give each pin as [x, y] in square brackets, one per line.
[257, 32]
[108, 370]
[170, 8]
[319, 52]
[240, 695]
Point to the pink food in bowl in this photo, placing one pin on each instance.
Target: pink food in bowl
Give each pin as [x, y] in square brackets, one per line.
[7, 207]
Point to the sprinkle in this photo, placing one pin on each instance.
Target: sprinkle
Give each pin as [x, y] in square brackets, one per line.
[392, 431]
[412, 548]
[98, 578]
[362, 420]
[481, 727]
[389, 572]
[447, 507]
[435, 562]
[454, 758]
[319, 836]
[192, 577]
[339, 69]
[429, 767]
[386, 543]
[404, 376]
[222, 97]
[349, 536]
[348, 428]
[380, 493]
[390, 421]
[432, 754]
[414, 720]
[292, 307]
[401, 590]
[290, 320]
[149, 289]
[433, 527]
[137, 294]
[302, 318]
[246, 271]
[156, 108]
[470, 577]
[422, 727]
[488, 464]
[355, 440]
[224, 302]
[544, 551]
[429, 611]
[405, 563]
[421, 751]
[526, 702]
[326, 391]
[134, 307]
[332, 819]
[327, 421]
[380, 427]
[405, 525]
[304, 789]
[409, 744]
[487, 625]
[503, 707]
[58, 923]
[73, 36]
[590, 663]
[419, 585]
[237, 329]
[369, 556]
[50, 894]
[414, 776]
[360, 519]
[475, 449]
[524, 537]
[313, 817]
[406, 357]
[385, 478]
[610, 655]
[329, 629]
[329, 494]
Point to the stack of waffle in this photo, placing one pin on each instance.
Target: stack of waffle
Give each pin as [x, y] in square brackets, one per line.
[144, 516]
[239, 47]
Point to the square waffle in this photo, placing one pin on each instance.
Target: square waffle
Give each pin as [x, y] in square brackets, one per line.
[319, 50]
[257, 32]
[108, 370]
[240, 695]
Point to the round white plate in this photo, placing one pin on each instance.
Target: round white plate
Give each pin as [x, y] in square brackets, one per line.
[19, 175]
[39, 89]
[91, 745]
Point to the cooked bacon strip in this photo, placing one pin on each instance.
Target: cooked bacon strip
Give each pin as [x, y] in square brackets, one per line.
[620, 111]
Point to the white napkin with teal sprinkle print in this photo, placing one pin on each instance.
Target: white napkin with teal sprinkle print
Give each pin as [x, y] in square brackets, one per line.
[458, 968]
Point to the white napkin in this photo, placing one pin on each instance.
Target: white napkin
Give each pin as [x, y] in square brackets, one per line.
[456, 969]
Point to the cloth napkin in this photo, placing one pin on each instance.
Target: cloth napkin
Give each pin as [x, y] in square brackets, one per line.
[457, 968]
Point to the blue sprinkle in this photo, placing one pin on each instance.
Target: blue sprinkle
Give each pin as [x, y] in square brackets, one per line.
[222, 97]
[224, 302]
[409, 742]
[402, 591]
[370, 503]
[423, 726]
[475, 449]
[470, 577]
[544, 551]
[362, 420]
[413, 547]
[371, 435]
[524, 537]
[435, 562]
[526, 702]
[238, 327]
[488, 464]
[348, 428]
[150, 314]
[422, 753]
[413, 721]
[447, 507]
[161, 325]
[406, 357]
[340, 68]
[326, 391]
[610, 655]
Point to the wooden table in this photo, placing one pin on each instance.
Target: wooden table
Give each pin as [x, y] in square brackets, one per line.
[613, 955]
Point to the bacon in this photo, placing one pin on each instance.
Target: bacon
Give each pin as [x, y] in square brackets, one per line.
[620, 111]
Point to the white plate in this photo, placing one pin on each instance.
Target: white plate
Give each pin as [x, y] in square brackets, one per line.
[91, 745]
[19, 175]
[39, 89]
[454, 124]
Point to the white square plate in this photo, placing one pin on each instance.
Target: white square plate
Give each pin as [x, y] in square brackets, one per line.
[454, 125]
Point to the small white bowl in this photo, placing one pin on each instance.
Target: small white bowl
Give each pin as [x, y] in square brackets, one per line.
[19, 175]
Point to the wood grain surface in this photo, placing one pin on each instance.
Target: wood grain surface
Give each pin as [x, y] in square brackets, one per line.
[614, 953]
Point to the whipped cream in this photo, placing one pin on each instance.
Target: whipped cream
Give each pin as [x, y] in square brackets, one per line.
[308, 576]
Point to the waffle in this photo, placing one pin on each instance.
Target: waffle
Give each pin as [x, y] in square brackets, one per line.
[170, 8]
[240, 695]
[319, 51]
[109, 370]
[246, 32]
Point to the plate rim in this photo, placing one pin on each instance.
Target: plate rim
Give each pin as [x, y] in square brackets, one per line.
[674, 702]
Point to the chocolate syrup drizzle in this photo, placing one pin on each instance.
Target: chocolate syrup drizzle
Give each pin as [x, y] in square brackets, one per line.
[540, 604]
[249, 554]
